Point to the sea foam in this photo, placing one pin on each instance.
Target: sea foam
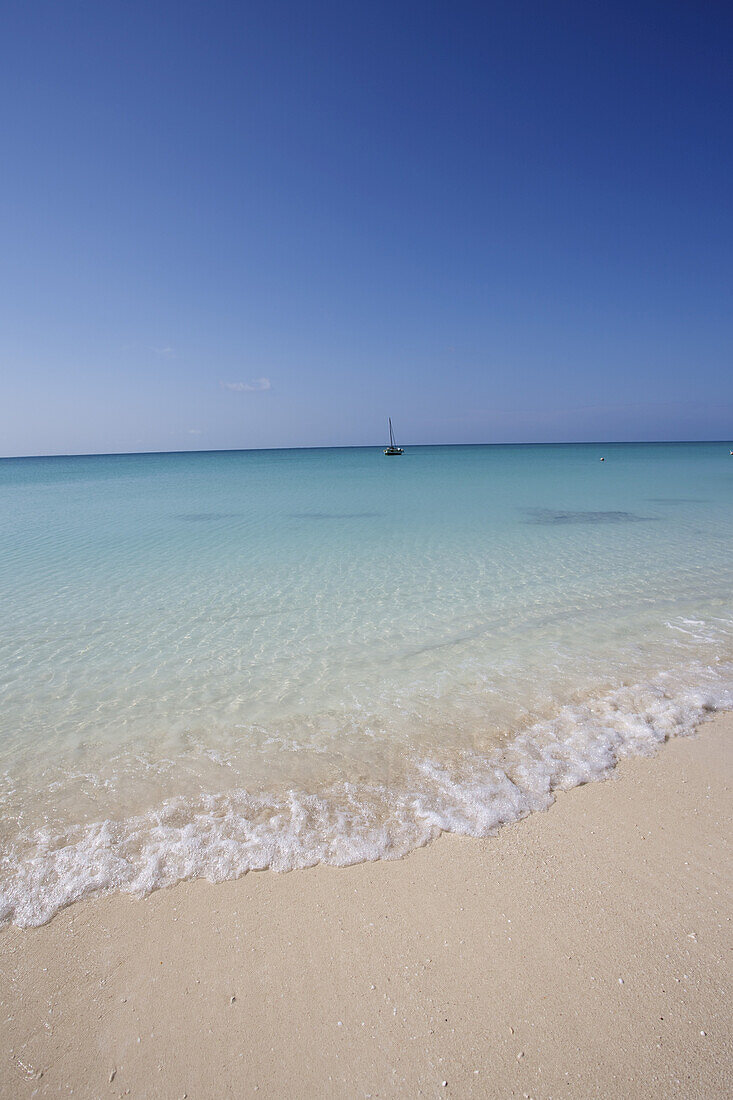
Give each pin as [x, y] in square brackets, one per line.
[223, 836]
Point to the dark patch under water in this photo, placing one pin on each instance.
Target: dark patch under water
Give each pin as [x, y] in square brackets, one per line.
[333, 515]
[553, 517]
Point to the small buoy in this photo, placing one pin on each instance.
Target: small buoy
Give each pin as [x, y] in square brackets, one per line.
[603, 460]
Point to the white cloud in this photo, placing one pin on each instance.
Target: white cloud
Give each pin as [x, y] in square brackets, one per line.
[255, 385]
[166, 352]
[194, 431]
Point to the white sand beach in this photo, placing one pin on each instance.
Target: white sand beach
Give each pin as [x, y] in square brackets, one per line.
[583, 952]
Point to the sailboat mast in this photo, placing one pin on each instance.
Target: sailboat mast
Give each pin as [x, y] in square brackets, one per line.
[391, 434]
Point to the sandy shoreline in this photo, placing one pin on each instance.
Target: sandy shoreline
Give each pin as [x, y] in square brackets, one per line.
[584, 952]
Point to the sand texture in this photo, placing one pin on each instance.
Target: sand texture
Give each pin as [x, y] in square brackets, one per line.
[583, 952]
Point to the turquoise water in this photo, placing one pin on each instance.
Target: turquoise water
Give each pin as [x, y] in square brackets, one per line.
[213, 662]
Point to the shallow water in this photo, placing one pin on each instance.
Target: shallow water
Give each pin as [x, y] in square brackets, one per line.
[214, 662]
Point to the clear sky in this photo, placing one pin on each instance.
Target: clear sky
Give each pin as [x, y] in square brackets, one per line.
[275, 223]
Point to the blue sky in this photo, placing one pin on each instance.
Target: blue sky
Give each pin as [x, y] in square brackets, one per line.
[272, 224]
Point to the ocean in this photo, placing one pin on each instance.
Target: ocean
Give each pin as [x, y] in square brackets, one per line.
[215, 662]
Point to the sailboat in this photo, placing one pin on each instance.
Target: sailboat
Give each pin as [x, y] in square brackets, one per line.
[393, 449]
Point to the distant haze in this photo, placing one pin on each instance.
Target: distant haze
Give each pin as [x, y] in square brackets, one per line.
[255, 225]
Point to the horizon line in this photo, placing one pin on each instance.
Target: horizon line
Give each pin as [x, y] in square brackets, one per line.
[367, 447]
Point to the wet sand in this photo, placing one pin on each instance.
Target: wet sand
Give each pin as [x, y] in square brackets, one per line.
[583, 952]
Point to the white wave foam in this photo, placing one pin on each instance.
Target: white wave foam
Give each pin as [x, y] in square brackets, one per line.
[223, 836]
